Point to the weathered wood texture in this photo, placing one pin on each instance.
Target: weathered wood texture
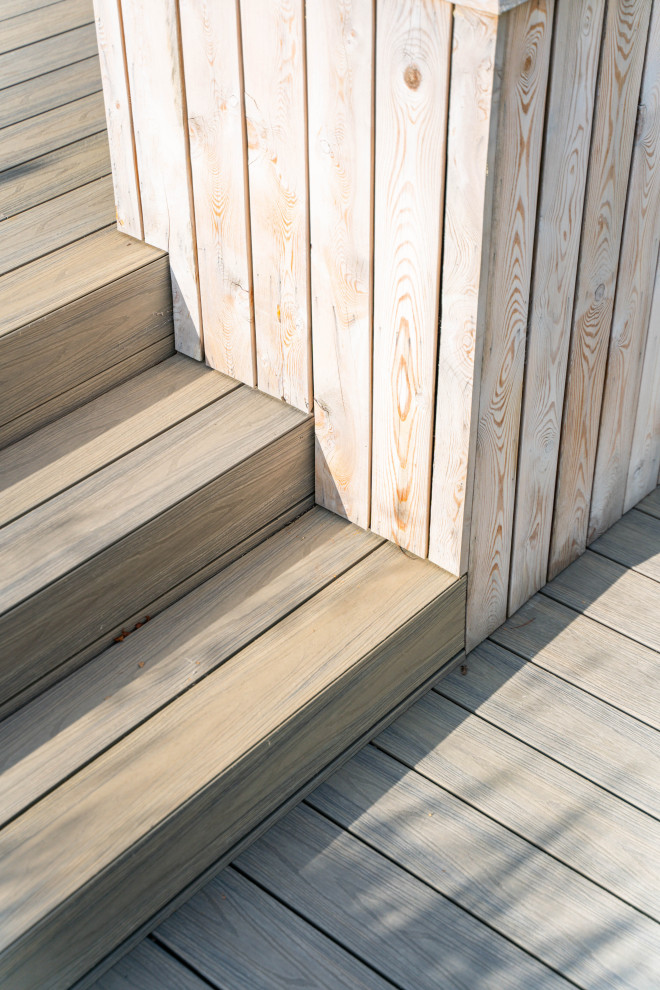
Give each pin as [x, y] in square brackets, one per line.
[216, 121]
[340, 47]
[572, 90]
[622, 60]
[525, 41]
[273, 38]
[473, 96]
[152, 42]
[110, 35]
[413, 42]
[330, 241]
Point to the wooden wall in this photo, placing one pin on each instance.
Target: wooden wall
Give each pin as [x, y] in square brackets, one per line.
[434, 224]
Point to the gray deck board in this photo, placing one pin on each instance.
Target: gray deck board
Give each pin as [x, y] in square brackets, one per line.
[504, 831]
[633, 541]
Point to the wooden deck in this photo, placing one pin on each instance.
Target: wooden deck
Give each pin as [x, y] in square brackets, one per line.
[504, 832]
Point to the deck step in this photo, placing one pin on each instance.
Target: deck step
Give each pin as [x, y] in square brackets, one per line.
[125, 783]
[137, 493]
[77, 321]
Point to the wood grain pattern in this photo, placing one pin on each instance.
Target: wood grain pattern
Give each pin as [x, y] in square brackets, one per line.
[612, 594]
[235, 934]
[622, 60]
[12, 8]
[157, 97]
[53, 174]
[255, 762]
[591, 738]
[35, 25]
[473, 95]
[77, 445]
[138, 506]
[361, 898]
[633, 541]
[55, 223]
[67, 726]
[517, 889]
[52, 90]
[53, 129]
[340, 49]
[413, 49]
[632, 305]
[572, 819]
[44, 56]
[56, 352]
[149, 967]
[216, 123]
[644, 466]
[525, 39]
[119, 117]
[569, 118]
[587, 654]
[273, 36]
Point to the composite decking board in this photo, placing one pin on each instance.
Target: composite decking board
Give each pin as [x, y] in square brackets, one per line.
[501, 879]
[77, 445]
[12, 8]
[236, 468]
[67, 726]
[237, 935]
[586, 653]
[633, 541]
[584, 734]
[57, 352]
[612, 594]
[44, 56]
[49, 176]
[572, 819]
[360, 898]
[50, 91]
[148, 967]
[651, 504]
[70, 275]
[36, 136]
[57, 222]
[267, 742]
[88, 390]
[37, 25]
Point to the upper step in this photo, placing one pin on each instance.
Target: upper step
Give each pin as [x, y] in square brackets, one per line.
[130, 499]
[124, 783]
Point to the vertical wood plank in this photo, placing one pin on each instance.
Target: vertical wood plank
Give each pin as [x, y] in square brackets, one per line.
[525, 36]
[340, 40]
[413, 39]
[472, 100]
[632, 304]
[274, 67]
[569, 118]
[114, 76]
[644, 467]
[218, 152]
[624, 42]
[154, 70]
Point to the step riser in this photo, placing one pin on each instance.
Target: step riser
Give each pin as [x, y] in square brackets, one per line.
[76, 610]
[77, 935]
[57, 353]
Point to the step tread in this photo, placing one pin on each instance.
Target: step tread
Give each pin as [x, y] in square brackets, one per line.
[71, 723]
[76, 525]
[69, 217]
[89, 438]
[68, 274]
[32, 184]
[44, 56]
[222, 729]
[35, 25]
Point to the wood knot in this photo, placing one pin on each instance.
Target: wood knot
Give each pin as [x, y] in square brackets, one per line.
[600, 292]
[412, 76]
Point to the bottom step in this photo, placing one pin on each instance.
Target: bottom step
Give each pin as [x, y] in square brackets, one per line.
[125, 782]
